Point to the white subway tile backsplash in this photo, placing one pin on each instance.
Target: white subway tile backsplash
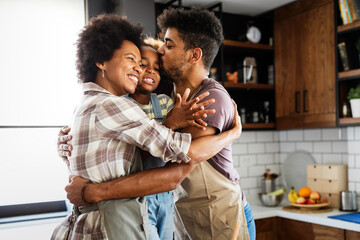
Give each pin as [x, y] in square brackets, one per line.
[247, 160]
[247, 137]
[287, 147]
[256, 151]
[322, 147]
[256, 147]
[295, 135]
[283, 136]
[331, 134]
[276, 158]
[352, 186]
[344, 158]
[312, 134]
[339, 147]
[272, 147]
[282, 156]
[357, 133]
[354, 175]
[265, 159]
[239, 148]
[305, 146]
[243, 171]
[354, 147]
[276, 136]
[357, 161]
[257, 171]
[350, 133]
[344, 133]
[264, 136]
[332, 158]
[248, 182]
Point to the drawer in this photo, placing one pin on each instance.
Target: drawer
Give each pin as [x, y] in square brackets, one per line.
[334, 171]
[314, 171]
[327, 171]
[327, 185]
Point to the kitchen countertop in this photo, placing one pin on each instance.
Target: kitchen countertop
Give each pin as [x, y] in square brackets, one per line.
[261, 212]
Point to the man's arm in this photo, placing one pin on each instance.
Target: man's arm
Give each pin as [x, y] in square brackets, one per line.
[154, 180]
[143, 183]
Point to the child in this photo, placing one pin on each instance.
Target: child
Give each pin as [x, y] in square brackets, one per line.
[160, 205]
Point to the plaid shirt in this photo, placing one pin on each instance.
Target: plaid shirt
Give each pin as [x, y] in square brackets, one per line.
[106, 130]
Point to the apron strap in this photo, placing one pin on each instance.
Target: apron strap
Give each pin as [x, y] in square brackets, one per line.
[156, 106]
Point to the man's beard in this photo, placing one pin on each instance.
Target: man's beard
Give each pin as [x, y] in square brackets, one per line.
[174, 73]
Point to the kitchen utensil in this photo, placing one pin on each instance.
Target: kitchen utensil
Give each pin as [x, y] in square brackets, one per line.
[270, 200]
[348, 201]
[293, 170]
[268, 182]
[267, 185]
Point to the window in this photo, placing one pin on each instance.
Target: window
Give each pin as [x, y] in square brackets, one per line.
[38, 94]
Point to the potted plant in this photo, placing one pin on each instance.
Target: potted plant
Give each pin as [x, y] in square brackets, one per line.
[354, 97]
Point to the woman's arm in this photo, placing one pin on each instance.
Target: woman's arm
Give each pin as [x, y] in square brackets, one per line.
[154, 180]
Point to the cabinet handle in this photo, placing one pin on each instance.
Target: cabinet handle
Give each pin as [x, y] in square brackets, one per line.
[304, 100]
[297, 94]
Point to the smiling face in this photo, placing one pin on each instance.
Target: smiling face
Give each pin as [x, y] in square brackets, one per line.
[173, 56]
[150, 77]
[122, 71]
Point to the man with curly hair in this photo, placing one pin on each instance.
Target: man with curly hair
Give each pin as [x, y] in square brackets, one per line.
[212, 206]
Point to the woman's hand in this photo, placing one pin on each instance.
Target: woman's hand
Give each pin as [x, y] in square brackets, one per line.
[73, 190]
[188, 113]
[64, 149]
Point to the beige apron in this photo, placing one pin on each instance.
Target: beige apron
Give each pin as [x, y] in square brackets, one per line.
[213, 208]
[126, 218]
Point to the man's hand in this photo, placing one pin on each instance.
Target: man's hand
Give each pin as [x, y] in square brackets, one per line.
[73, 190]
[64, 149]
[188, 113]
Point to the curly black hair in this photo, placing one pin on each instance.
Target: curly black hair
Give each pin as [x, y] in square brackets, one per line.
[197, 28]
[98, 41]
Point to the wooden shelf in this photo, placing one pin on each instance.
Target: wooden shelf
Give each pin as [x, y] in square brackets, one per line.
[232, 43]
[248, 85]
[349, 74]
[349, 120]
[349, 27]
[258, 125]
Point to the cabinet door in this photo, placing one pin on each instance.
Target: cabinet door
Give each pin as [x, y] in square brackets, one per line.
[305, 65]
[295, 230]
[266, 229]
[318, 66]
[351, 235]
[288, 87]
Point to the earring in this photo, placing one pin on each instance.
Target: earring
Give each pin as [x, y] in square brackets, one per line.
[103, 73]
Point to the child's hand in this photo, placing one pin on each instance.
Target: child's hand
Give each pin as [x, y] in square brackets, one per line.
[188, 113]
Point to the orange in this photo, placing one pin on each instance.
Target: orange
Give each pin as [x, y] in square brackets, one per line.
[304, 192]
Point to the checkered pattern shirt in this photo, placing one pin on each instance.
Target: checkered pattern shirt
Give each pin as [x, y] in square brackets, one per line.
[106, 130]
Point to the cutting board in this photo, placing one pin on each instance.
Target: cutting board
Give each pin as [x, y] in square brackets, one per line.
[310, 210]
[349, 217]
